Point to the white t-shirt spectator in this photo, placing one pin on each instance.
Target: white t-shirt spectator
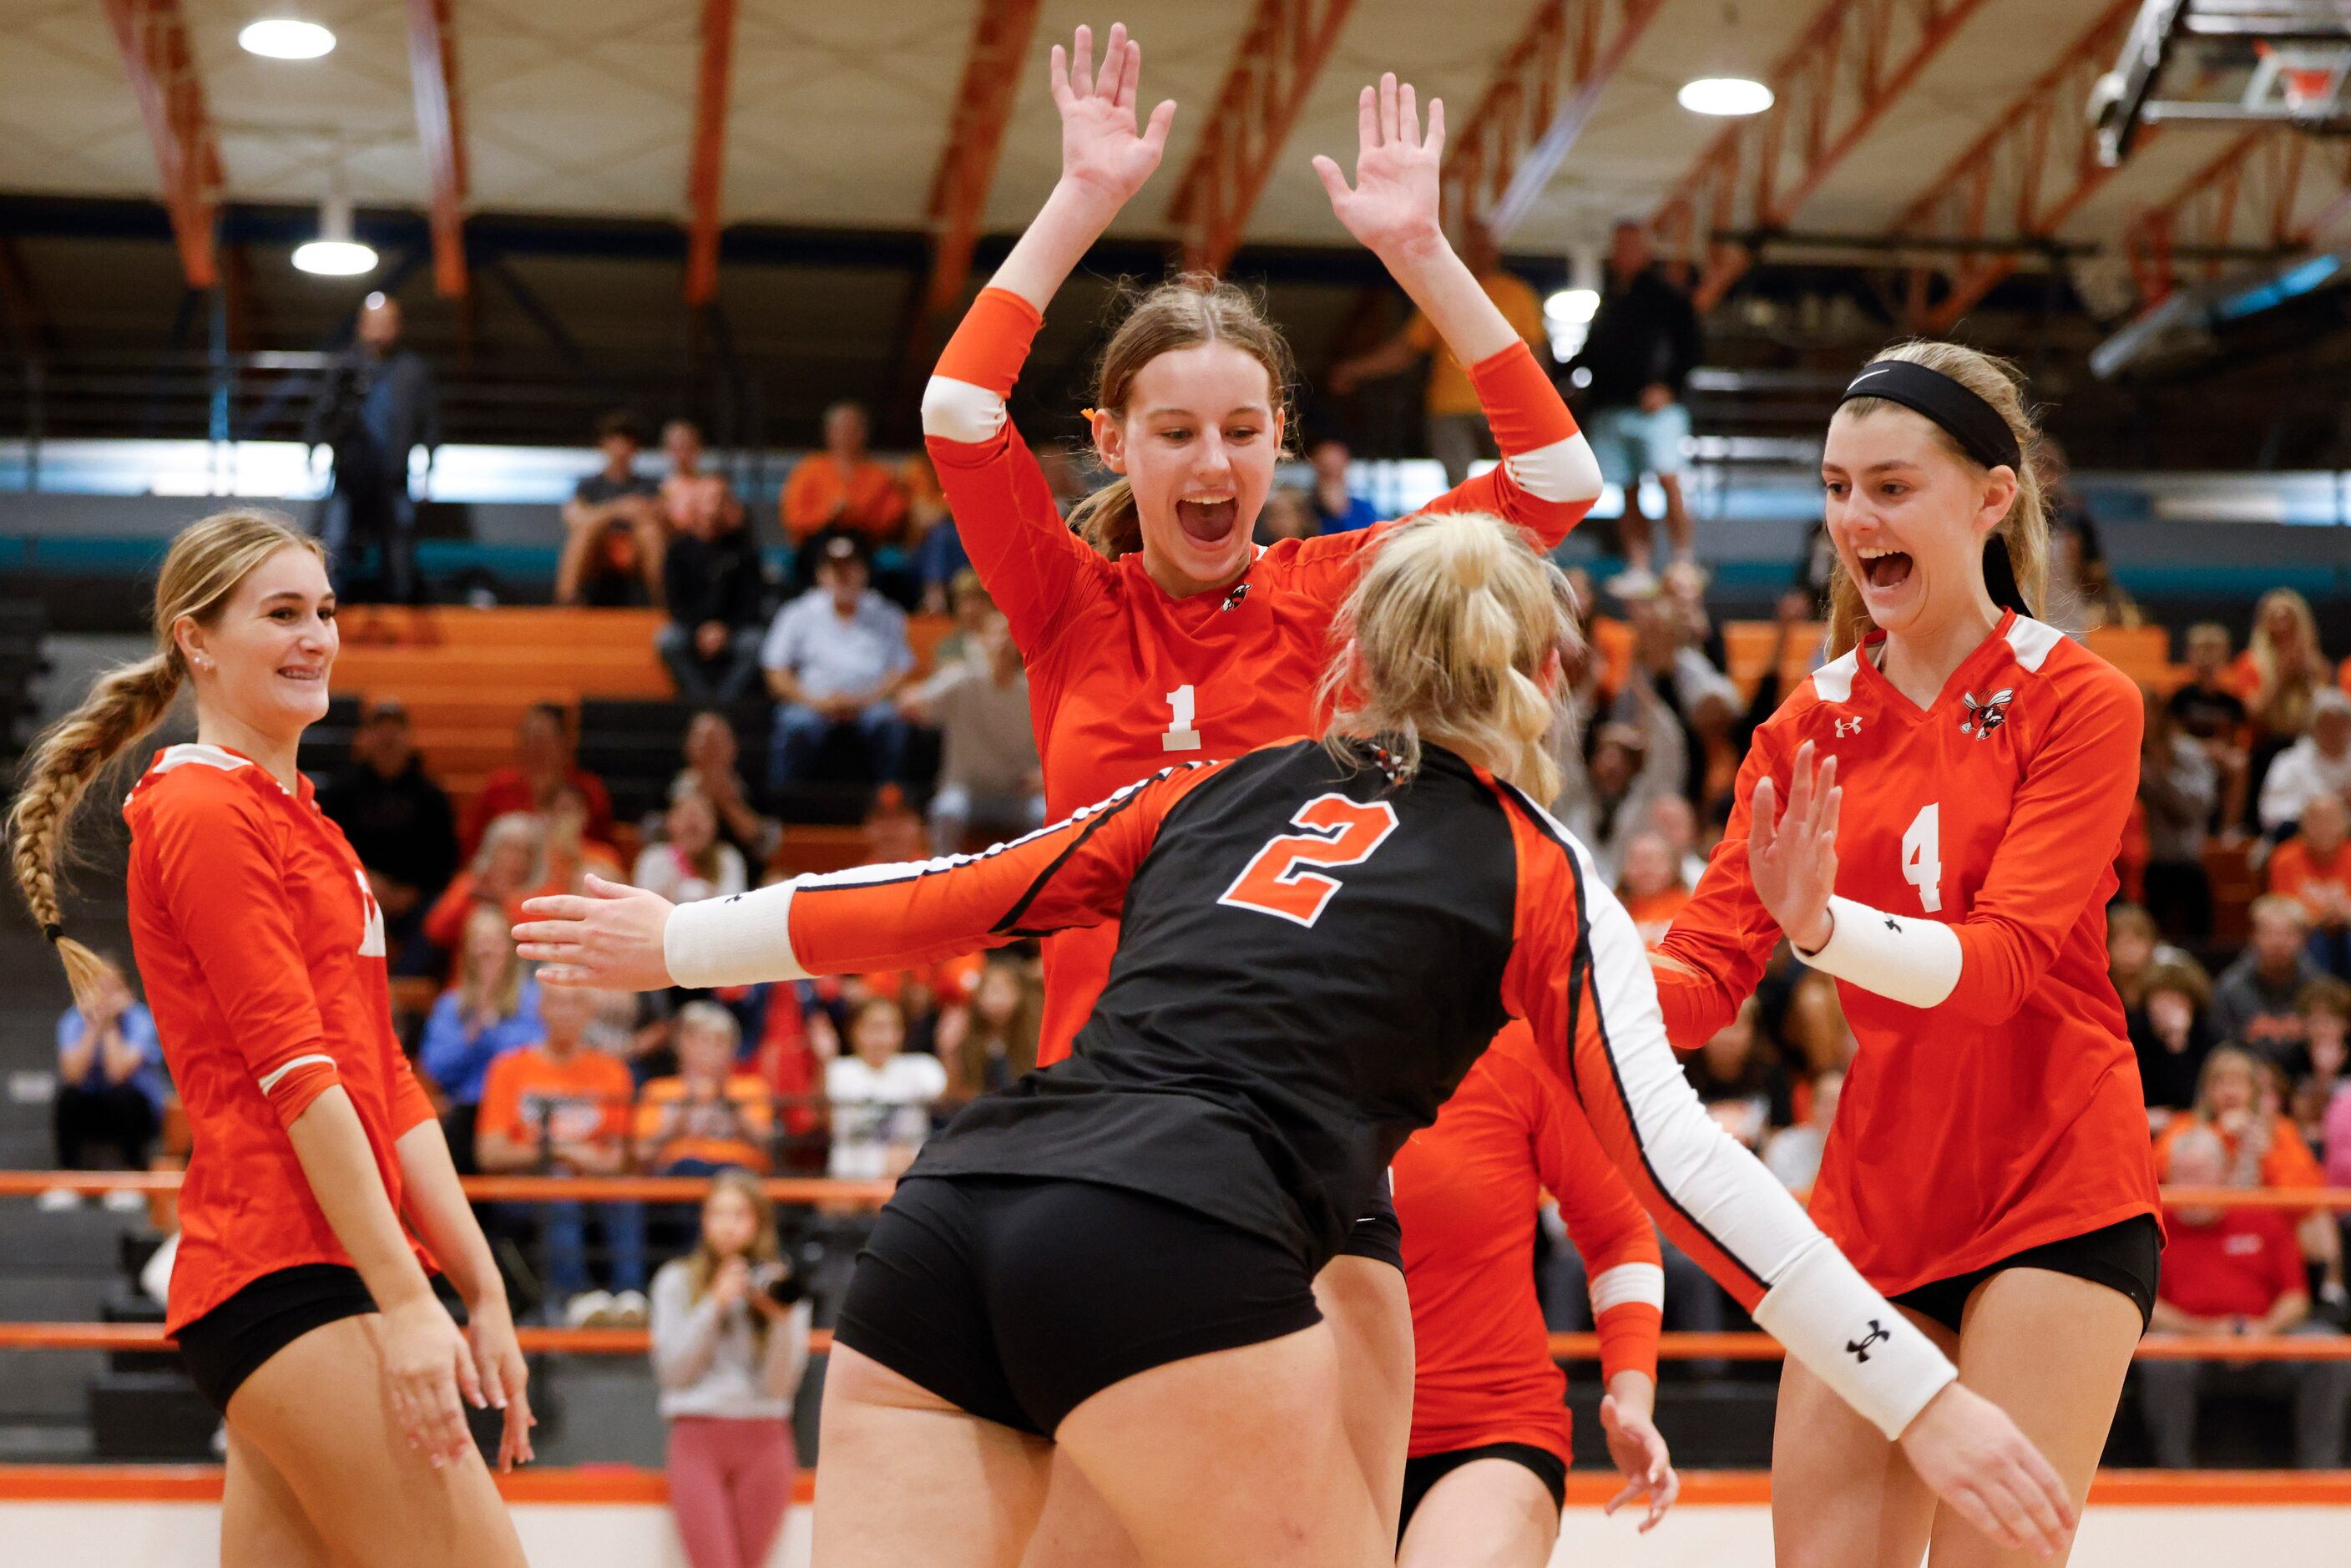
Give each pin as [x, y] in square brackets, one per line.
[661, 869]
[878, 1112]
[2301, 772]
[987, 740]
[829, 655]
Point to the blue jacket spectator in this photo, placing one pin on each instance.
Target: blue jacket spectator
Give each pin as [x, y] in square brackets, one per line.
[1337, 510]
[835, 658]
[110, 1084]
[492, 1010]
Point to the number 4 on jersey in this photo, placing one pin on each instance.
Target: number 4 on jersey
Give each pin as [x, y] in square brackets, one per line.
[1922, 856]
[1339, 832]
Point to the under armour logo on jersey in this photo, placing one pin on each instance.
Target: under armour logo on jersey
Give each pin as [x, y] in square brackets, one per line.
[1859, 1348]
[371, 942]
[1986, 716]
[1239, 593]
[1848, 728]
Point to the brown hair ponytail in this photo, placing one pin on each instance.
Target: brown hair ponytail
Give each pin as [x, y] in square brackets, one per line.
[2016, 556]
[1187, 311]
[205, 564]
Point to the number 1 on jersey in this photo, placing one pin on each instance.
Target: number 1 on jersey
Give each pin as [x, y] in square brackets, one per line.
[1339, 832]
[1922, 855]
[1180, 735]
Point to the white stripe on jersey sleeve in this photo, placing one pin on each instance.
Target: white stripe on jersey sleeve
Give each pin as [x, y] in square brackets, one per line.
[1817, 1304]
[269, 1081]
[1563, 470]
[959, 411]
[1909, 960]
[1626, 1284]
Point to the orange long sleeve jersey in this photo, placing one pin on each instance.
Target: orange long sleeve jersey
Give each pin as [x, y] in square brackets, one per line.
[1311, 958]
[1123, 677]
[263, 955]
[1467, 1190]
[2009, 1113]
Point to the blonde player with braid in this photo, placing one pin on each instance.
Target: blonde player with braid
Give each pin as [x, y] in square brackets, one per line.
[300, 1304]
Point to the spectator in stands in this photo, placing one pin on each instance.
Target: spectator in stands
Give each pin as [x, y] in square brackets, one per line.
[613, 528]
[691, 497]
[398, 823]
[1736, 1077]
[2177, 788]
[2235, 1272]
[1457, 436]
[1337, 510]
[543, 759]
[1631, 370]
[1814, 1034]
[2081, 587]
[1793, 1154]
[2314, 868]
[2133, 943]
[2216, 717]
[560, 1108]
[2279, 672]
[692, 862]
[110, 1089]
[730, 1332]
[716, 587]
[880, 1094]
[1285, 516]
[2171, 1032]
[492, 1010]
[1639, 755]
[709, 1116]
[989, 777]
[509, 866]
[570, 853]
[2326, 1052]
[1063, 478]
[2337, 1130]
[2264, 1149]
[843, 487]
[986, 1042]
[711, 754]
[375, 405]
[2253, 1002]
[835, 659]
[1650, 884]
[938, 552]
[1674, 819]
[2318, 763]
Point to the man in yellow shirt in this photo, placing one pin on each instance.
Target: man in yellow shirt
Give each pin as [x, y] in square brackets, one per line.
[1457, 436]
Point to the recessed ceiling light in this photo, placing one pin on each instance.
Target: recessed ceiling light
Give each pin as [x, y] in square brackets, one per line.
[334, 257]
[1725, 96]
[281, 38]
[1572, 305]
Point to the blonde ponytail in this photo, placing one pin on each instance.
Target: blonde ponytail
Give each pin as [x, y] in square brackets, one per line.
[1449, 634]
[205, 564]
[2024, 534]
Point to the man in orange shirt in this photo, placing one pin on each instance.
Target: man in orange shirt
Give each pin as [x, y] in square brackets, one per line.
[561, 1108]
[2314, 868]
[842, 487]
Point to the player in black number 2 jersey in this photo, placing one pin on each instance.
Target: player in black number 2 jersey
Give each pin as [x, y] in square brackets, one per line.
[1116, 1253]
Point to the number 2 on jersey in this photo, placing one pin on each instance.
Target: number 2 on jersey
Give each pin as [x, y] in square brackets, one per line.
[1922, 855]
[1180, 736]
[1339, 833]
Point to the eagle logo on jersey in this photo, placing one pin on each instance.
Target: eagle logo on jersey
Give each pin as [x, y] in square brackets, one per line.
[1986, 716]
[1239, 593]
[1848, 727]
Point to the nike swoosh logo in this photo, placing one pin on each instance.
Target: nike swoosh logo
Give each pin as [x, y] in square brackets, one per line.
[1864, 376]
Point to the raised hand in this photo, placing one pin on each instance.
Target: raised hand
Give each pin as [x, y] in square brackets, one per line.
[1394, 203]
[1100, 149]
[1792, 859]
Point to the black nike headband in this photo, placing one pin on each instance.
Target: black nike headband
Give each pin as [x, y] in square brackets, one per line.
[1972, 421]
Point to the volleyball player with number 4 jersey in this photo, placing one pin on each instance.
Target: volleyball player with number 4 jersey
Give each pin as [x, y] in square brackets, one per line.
[1948, 860]
[1486, 1471]
[1117, 1252]
[1157, 632]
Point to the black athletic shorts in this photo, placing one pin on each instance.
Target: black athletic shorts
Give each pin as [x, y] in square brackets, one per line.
[1018, 1298]
[2122, 1257]
[1378, 1234]
[229, 1343]
[1422, 1474]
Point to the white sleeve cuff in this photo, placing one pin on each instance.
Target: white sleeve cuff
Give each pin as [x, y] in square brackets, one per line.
[1628, 1284]
[736, 941]
[959, 411]
[1915, 961]
[1852, 1339]
[1564, 471]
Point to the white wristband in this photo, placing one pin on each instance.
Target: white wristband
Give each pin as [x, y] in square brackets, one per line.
[1852, 1339]
[1909, 960]
[736, 941]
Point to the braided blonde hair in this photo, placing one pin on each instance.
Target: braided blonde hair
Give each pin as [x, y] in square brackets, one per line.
[1451, 626]
[206, 563]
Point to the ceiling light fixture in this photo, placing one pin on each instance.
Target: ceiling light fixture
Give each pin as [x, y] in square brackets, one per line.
[1725, 95]
[335, 254]
[283, 38]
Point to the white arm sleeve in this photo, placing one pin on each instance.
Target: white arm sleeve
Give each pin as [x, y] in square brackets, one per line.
[1852, 1338]
[736, 941]
[958, 411]
[1563, 470]
[1912, 961]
